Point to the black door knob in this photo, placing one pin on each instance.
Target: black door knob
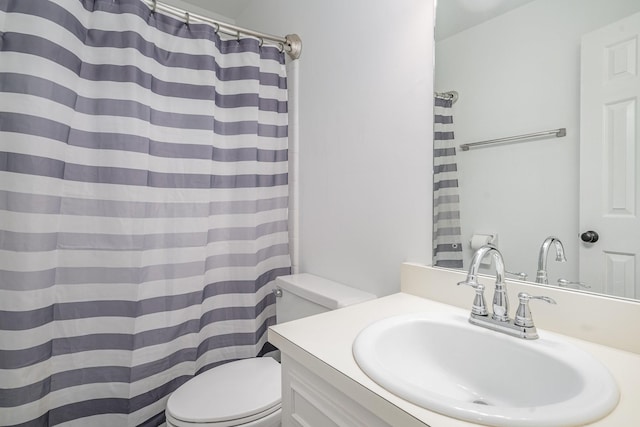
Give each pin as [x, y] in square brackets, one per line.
[589, 236]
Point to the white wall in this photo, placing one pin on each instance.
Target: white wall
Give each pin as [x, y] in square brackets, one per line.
[365, 133]
[200, 8]
[518, 74]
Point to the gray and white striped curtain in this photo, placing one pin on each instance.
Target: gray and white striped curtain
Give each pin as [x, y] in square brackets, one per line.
[447, 239]
[143, 207]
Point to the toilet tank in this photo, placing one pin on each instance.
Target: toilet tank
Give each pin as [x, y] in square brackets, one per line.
[305, 294]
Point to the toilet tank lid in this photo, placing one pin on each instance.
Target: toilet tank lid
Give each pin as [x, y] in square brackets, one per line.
[327, 293]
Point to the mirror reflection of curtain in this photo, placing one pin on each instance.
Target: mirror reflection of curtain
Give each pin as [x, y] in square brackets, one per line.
[447, 238]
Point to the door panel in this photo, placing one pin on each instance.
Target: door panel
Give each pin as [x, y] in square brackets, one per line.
[610, 158]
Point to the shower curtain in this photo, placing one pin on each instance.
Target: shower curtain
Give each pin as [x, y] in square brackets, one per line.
[447, 239]
[143, 207]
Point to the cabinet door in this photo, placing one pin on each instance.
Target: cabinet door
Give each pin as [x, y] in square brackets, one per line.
[309, 401]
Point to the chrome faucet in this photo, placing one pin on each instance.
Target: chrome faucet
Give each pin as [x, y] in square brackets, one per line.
[541, 274]
[500, 299]
[522, 326]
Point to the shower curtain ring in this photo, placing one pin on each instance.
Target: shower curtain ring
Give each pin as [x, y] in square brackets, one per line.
[155, 6]
[261, 42]
[238, 36]
[281, 47]
[187, 17]
[217, 28]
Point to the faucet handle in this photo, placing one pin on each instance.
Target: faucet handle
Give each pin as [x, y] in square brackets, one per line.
[523, 314]
[479, 306]
[521, 276]
[565, 283]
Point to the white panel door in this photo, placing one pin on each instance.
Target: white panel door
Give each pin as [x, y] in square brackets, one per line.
[610, 158]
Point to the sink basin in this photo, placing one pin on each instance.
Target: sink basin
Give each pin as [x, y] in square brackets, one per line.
[442, 363]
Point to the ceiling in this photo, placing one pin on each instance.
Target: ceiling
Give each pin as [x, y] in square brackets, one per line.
[454, 16]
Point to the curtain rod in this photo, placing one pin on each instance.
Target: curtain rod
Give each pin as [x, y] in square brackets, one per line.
[291, 43]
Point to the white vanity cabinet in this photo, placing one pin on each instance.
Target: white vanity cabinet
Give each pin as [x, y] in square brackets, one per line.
[310, 401]
[322, 385]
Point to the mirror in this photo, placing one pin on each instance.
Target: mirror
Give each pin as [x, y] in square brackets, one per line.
[516, 66]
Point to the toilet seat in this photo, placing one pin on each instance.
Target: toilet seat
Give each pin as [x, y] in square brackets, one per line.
[259, 420]
[232, 394]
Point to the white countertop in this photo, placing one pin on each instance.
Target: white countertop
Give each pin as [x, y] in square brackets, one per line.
[323, 343]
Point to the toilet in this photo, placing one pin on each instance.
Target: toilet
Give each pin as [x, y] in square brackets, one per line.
[247, 392]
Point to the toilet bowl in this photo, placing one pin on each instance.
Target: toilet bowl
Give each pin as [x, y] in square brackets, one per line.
[247, 392]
